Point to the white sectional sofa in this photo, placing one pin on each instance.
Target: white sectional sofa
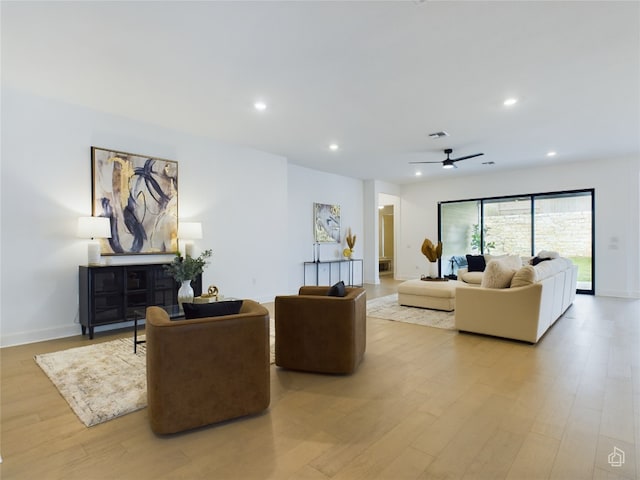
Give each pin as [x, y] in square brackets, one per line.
[535, 297]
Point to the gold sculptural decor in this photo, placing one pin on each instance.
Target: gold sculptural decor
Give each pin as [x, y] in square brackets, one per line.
[433, 253]
[351, 243]
[209, 297]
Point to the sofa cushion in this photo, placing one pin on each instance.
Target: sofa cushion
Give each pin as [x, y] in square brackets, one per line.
[214, 309]
[548, 254]
[476, 263]
[500, 272]
[488, 257]
[550, 268]
[337, 290]
[471, 277]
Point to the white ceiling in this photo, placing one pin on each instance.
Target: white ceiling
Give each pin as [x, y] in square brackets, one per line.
[375, 77]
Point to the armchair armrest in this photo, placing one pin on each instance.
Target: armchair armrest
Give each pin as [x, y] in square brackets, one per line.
[509, 312]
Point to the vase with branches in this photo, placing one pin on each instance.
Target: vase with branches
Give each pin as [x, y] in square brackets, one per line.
[184, 270]
[351, 243]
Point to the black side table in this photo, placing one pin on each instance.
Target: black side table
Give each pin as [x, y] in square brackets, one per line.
[174, 311]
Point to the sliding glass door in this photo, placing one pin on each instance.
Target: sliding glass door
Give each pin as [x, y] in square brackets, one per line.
[507, 226]
[564, 223]
[521, 225]
[459, 233]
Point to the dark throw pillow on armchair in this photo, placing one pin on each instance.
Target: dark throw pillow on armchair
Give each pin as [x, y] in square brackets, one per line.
[214, 309]
[476, 263]
[337, 290]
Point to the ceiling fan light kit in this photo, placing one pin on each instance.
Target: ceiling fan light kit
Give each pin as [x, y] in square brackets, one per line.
[448, 164]
[451, 162]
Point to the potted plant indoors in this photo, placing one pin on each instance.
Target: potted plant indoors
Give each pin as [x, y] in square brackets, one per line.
[184, 270]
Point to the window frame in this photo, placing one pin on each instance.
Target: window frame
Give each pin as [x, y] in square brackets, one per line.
[532, 199]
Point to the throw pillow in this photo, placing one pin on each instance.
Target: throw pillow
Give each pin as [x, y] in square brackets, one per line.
[498, 274]
[537, 260]
[476, 263]
[524, 276]
[337, 290]
[511, 261]
[214, 309]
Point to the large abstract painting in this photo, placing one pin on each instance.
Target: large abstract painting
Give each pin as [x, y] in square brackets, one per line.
[326, 223]
[139, 194]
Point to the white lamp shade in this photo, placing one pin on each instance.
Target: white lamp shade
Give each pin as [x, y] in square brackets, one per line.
[94, 227]
[190, 230]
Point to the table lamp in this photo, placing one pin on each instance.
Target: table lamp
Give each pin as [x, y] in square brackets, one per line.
[94, 228]
[188, 231]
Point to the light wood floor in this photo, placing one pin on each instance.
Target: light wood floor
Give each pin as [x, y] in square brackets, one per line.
[425, 403]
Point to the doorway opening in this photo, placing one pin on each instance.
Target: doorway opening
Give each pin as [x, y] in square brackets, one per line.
[386, 240]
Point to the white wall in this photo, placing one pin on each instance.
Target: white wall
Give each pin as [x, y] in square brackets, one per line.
[306, 187]
[617, 215]
[256, 211]
[239, 195]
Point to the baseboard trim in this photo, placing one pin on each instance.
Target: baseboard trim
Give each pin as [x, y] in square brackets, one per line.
[33, 336]
[617, 294]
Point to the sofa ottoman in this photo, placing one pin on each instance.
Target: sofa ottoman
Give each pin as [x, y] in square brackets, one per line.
[428, 294]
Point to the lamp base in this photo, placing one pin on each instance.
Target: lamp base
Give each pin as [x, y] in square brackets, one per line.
[93, 253]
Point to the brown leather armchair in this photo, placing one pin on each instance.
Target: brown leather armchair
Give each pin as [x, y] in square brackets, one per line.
[206, 370]
[319, 333]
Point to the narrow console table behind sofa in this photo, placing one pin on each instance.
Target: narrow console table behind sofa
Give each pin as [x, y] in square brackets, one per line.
[350, 274]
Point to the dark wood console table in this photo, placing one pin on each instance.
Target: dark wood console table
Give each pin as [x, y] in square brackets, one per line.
[112, 293]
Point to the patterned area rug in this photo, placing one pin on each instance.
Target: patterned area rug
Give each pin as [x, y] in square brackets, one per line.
[103, 381]
[100, 381]
[387, 308]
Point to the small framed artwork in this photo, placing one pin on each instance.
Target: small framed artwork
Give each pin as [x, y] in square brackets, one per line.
[139, 194]
[326, 220]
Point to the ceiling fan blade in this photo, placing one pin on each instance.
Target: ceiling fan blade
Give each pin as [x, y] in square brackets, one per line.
[467, 157]
[427, 162]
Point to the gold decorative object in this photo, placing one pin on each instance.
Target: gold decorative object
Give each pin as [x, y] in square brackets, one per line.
[351, 240]
[212, 291]
[209, 297]
[431, 251]
[347, 252]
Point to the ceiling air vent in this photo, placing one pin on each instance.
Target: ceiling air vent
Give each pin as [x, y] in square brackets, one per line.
[439, 134]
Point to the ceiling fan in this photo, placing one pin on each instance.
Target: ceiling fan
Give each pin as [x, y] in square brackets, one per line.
[451, 162]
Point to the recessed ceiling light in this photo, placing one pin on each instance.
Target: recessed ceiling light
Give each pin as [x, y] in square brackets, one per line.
[551, 154]
[510, 101]
[418, 173]
[333, 147]
[260, 106]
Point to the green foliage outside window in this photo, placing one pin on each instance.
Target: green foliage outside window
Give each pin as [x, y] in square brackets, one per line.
[475, 240]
